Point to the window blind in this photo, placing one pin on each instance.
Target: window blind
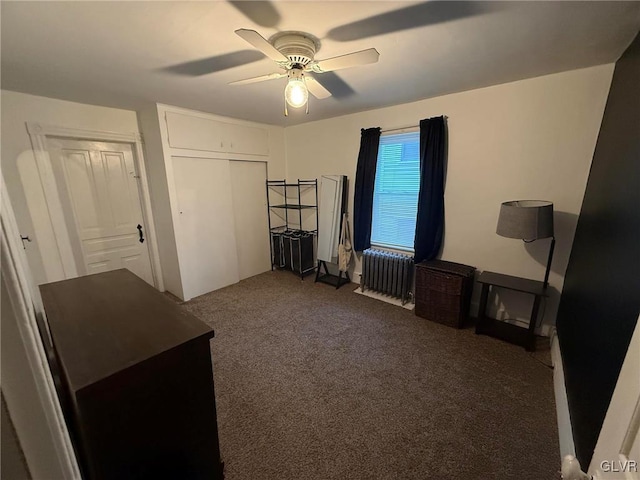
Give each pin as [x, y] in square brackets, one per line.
[395, 194]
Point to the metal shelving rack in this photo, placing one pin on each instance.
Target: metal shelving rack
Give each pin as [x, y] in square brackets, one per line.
[284, 209]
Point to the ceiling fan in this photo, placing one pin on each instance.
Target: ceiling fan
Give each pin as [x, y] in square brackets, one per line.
[283, 45]
[294, 53]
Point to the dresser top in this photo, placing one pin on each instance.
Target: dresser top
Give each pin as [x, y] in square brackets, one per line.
[104, 323]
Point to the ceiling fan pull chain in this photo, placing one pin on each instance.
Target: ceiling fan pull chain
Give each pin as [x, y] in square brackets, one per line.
[286, 112]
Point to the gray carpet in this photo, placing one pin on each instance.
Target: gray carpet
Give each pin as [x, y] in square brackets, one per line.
[314, 383]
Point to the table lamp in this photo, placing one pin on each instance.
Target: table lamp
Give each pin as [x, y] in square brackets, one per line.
[529, 220]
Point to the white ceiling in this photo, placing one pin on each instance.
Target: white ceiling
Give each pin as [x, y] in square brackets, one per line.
[119, 54]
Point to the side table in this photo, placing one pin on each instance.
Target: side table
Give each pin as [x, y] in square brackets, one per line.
[506, 331]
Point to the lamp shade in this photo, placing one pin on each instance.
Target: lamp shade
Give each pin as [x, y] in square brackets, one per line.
[526, 219]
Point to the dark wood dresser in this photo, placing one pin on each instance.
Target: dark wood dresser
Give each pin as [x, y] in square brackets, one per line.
[135, 379]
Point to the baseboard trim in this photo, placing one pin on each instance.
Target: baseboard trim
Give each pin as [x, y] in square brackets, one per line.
[565, 432]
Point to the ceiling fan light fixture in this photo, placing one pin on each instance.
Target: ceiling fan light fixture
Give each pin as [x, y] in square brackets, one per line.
[294, 53]
[296, 93]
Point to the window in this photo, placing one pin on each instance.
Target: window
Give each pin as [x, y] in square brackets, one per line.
[395, 194]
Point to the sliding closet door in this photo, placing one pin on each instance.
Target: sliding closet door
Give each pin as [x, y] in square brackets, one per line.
[250, 211]
[207, 237]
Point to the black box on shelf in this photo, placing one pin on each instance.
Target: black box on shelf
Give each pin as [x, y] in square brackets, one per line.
[302, 252]
[277, 253]
[293, 250]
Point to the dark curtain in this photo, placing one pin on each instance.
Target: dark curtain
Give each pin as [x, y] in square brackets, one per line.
[365, 180]
[430, 219]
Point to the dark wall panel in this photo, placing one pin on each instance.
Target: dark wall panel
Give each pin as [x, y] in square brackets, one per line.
[601, 296]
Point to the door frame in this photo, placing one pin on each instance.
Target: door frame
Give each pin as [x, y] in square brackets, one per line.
[61, 242]
[621, 426]
[24, 301]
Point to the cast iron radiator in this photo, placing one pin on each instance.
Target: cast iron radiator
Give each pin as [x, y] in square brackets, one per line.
[387, 272]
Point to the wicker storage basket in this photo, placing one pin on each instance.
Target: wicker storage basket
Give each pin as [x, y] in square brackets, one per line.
[443, 291]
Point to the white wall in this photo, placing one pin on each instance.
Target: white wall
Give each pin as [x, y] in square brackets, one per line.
[20, 171]
[277, 163]
[531, 139]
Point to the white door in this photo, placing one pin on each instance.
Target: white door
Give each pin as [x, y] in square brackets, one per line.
[617, 453]
[101, 186]
[248, 185]
[206, 236]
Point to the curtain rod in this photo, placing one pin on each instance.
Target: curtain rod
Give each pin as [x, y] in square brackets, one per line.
[399, 129]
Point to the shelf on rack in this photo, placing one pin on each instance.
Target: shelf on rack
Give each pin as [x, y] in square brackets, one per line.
[282, 183]
[292, 185]
[292, 245]
[291, 230]
[293, 206]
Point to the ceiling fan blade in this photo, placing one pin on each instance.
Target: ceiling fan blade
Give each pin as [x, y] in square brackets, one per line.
[354, 59]
[336, 85]
[262, 13]
[420, 15]
[315, 88]
[261, 43]
[204, 66]
[261, 78]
